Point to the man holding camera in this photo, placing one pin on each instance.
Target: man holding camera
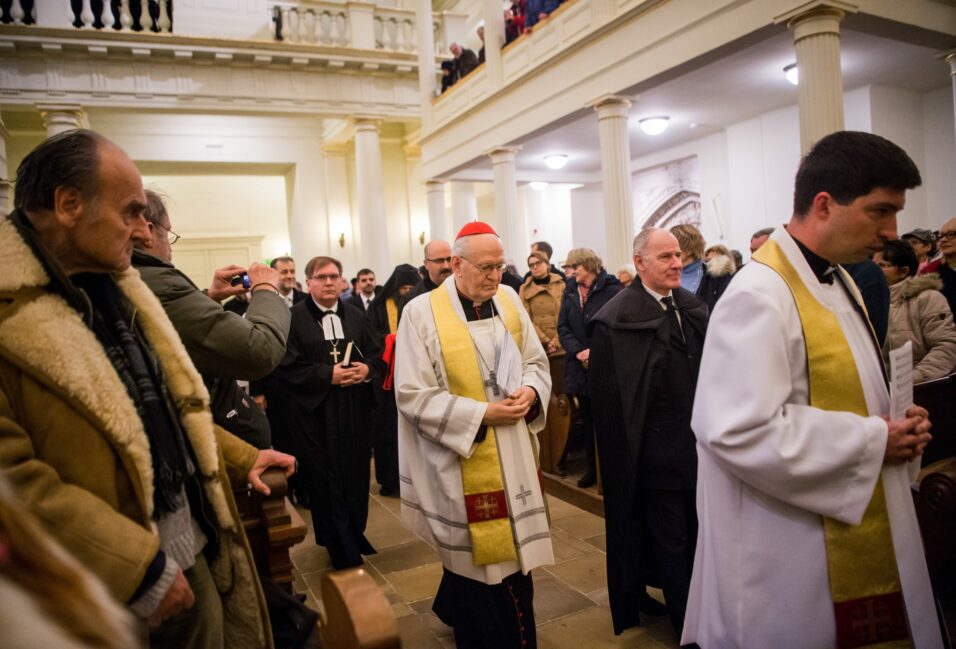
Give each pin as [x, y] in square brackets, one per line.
[224, 346]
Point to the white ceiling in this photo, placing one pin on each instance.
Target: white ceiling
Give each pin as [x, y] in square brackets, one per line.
[715, 95]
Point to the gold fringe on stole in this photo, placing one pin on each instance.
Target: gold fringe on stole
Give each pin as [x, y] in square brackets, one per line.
[491, 538]
[861, 560]
[391, 310]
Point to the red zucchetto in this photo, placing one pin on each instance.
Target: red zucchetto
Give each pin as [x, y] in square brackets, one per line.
[475, 227]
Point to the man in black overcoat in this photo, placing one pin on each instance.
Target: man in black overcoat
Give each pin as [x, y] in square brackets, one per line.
[646, 345]
[330, 407]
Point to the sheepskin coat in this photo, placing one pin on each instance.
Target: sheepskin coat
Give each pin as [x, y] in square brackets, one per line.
[74, 448]
[543, 302]
[919, 312]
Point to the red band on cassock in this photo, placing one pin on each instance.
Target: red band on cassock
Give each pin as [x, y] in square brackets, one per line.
[486, 506]
[870, 620]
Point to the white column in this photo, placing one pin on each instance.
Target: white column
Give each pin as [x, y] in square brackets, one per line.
[426, 59]
[951, 59]
[338, 206]
[418, 223]
[369, 193]
[506, 197]
[437, 226]
[494, 37]
[816, 39]
[59, 118]
[464, 207]
[612, 114]
[6, 187]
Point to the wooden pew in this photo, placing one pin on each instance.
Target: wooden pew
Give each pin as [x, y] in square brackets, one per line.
[939, 398]
[357, 613]
[273, 526]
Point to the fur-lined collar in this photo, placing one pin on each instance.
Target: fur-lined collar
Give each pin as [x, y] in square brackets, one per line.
[47, 339]
[911, 287]
[721, 265]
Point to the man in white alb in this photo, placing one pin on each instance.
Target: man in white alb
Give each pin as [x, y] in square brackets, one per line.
[808, 537]
[471, 384]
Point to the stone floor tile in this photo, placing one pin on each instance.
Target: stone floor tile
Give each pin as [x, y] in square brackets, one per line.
[591, 629]
[581, 525]
[554, 599]
[560, 509]
[565, 548]
[599, 541]
[600, 597]
[579, 544]
[310, 558]
[584, 574]
[423, 606]
[385, 531]
[415, 635]
[401, 609]
[436, 626]
[391, 503]
[403, 557]
[417, 583]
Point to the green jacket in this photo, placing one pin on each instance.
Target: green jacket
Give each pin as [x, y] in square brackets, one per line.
[222, 344]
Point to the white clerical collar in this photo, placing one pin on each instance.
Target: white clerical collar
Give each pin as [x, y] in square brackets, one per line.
[657, 296]
[334, 308]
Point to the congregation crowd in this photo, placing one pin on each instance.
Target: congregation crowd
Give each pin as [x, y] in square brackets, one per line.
[131, 401]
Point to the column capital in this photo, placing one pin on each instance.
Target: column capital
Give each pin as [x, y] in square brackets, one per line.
[366, 122]
[61, 117]
[950, 57]
[611, 106]
[816, 17]
[502, 154]
[435, 184]
[412, 151]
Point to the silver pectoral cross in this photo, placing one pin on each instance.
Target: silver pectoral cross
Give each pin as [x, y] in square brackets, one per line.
[335, 355]
[492, 383]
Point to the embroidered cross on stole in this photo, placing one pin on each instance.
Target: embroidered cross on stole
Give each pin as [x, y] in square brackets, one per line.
[486, 503]
[864, 578]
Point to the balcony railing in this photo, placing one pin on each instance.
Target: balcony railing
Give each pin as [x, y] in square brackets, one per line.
[358, 25]
[115, 15]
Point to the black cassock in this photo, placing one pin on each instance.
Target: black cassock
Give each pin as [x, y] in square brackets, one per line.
[331, 426]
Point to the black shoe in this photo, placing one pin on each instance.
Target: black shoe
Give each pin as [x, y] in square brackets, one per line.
[650, 606]
[387, 491]
[589, 479]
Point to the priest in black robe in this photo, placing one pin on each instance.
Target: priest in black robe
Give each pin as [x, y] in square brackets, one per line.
[646, 345]
[331, 402]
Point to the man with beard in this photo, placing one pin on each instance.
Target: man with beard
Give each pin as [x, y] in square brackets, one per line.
[331, 360]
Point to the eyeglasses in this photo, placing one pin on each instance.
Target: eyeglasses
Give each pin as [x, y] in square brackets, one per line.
[326, 278]
[171, 236]
[949, 235]
[535, 264]
[440, 260]
[487, 269]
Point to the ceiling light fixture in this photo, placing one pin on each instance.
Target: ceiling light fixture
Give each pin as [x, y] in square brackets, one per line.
[556, 161]
[538, 186]
[654, 125]
[792, 74]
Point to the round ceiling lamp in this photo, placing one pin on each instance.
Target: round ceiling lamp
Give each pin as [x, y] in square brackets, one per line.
[792, 74]
[556, 161]
[654, 125]
[538, 186]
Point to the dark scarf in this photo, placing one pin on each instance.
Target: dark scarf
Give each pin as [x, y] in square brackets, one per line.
[142, 378]
[543, 281]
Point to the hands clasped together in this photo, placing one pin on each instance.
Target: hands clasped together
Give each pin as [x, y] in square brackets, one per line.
[907, 438]
[510, 410]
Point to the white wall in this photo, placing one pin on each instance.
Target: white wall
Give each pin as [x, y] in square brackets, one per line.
[546, 216]
[939, 157]
[587, 220]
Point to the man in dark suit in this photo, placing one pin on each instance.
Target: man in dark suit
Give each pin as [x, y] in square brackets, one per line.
[365, 290]
[646, 345]
[331, 404]
[285, 266]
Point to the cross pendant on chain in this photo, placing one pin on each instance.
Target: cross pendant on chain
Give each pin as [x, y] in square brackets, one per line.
[492, 383]
[335, 355]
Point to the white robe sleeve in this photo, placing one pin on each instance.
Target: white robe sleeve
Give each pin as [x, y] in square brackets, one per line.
[420, 392]
[751, 412]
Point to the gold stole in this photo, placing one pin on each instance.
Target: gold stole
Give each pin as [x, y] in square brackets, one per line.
[864, 580]
[392, 311]
[486, 502]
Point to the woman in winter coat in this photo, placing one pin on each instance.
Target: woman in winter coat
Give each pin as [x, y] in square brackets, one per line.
[918, 313]
[585, 293]
[541, 294]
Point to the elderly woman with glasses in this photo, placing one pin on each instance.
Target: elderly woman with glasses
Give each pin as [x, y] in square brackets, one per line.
[585, 293]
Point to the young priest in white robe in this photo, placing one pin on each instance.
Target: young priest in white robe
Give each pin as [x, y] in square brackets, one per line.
[471, 384]
[808, 536]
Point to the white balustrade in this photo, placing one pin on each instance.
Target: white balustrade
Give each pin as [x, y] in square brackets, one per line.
[108, 18]
[320, 23]
[17, 13]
